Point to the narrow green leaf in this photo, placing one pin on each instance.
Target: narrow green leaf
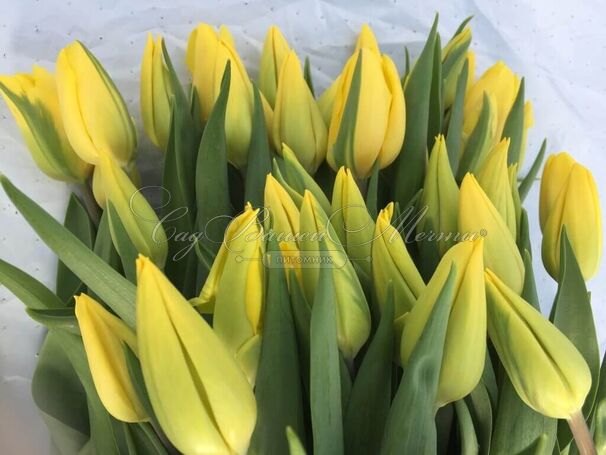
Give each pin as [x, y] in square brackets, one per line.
[436, 102]
[372, 194]
[145, 440]
[480, 407]
[523, 239]
[527, 182]
[478, 144]
[406, 65]
[467, 433]
[307, 76]
[56, 318]
[514, 128]
[124, 246]
[455, 123]
[462, 25]
[301, 312]
[104, 246]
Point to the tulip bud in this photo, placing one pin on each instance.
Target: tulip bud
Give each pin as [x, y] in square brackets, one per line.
[104, 336]
[353, 315]
[235, 287]
[33, 101]
[275, 50]
[200, 396]
[392, 262]
[465, 344]
[94, 114]
[283, 214]
[454, 55]
[478, 216]
[156, 93]
[528, 123]
[380, 111]
[139, 219]
[545, 368]
[440, 197]
[577, 207]
[298, 121]
[493, 177]
[207, 55]
[555, 176]
[327, 100]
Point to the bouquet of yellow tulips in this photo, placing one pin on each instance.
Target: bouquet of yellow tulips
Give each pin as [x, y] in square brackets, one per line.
[347, 273]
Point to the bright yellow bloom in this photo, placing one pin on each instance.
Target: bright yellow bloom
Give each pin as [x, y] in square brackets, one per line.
[94, 114]
[33, 101]
[479, 217]
[235, 287]
[465, 344]
[275, 50]
[104, 336]
[156, 93]
[381, 113]
[298, 121]
[545, 368]
[199, 394]
[555, 175]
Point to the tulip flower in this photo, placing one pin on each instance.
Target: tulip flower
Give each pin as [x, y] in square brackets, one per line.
[465, 344]
[493, 177]
[545, 368]
[275, 50]
[137, 216]
[207, 55]
[94, 114]
[156, 93]
[298, 121]
[199, 395]
[392, 262]
[235, 286]
[353, 315]
[33, 101]
[104, 336]
[440, 197]
[454, 55]
[380, 119]
[479, 217]
[555, 176]
[577, 207]
[327, 99]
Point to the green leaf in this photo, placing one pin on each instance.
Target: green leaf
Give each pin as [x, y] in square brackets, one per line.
[104, 246]
[467, 433]
[409, 168]
[145, 440]
[370, 397]
[436, 102]
[599, 413]
[415, 432]
[259, 155]
[514, 127]
[523, 240]
[527, 182]
[56, 318]
[109, 285]
[278, 384]
[78, 223]
[127, 251]
[307, 76]
[478, 144]
[372, 193]
[301, 312]
[455, 123]
[480, 407]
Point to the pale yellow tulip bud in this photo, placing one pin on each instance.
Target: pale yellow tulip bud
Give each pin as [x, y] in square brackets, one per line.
[94, 114]
[555, 175]
[275, 50]
[327, 99]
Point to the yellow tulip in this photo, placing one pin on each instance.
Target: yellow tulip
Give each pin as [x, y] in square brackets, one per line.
[465, 344]
[479, 217]
[528, 123]
[94, 114]
[391, 262]
[200, 396]
[33, 101]
[275, 50]
[208, 52]
[104, 336]
[381, 113]
[298, 121]
[353, 314]
[156, 93]
[577, 207]
[545, 368]
[454, 55]
[327, 100]
[555, 175]
[137, 216]
[235, 287]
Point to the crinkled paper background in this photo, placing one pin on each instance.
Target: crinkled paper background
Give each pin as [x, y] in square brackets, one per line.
[560, 47]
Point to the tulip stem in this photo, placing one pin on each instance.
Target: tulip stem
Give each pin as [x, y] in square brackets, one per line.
[89, 202]
[581, 434]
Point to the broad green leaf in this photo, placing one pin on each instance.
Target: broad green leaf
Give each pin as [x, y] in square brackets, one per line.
[124, 246]
[436, 102]
[455, 123]
[514, 128]
[478, 144]
[56, 318]
[415, 432]
[307, 76]
[117, 292]
[301, 312]
[527, 182]
[467, 433]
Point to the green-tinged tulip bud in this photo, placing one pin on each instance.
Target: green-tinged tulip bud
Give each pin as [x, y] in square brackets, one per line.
[199, 394]
[104, 336]
[555, 176]
[380, 112]
[493, 177]
[208, 52]
[515, 194]
[479, 217]
[353, 314]
[298, 121]
[545, 368]
[351, 220]
[138, 217]
[465, 344]
[275, 50]
[454, 55]
[33, 101]
[156, 93]
[235, 287]
[94, 114]
[327, 99]
[471, 68]
[528, 123]
[577, 207]
[440, 197]
[391, 262]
